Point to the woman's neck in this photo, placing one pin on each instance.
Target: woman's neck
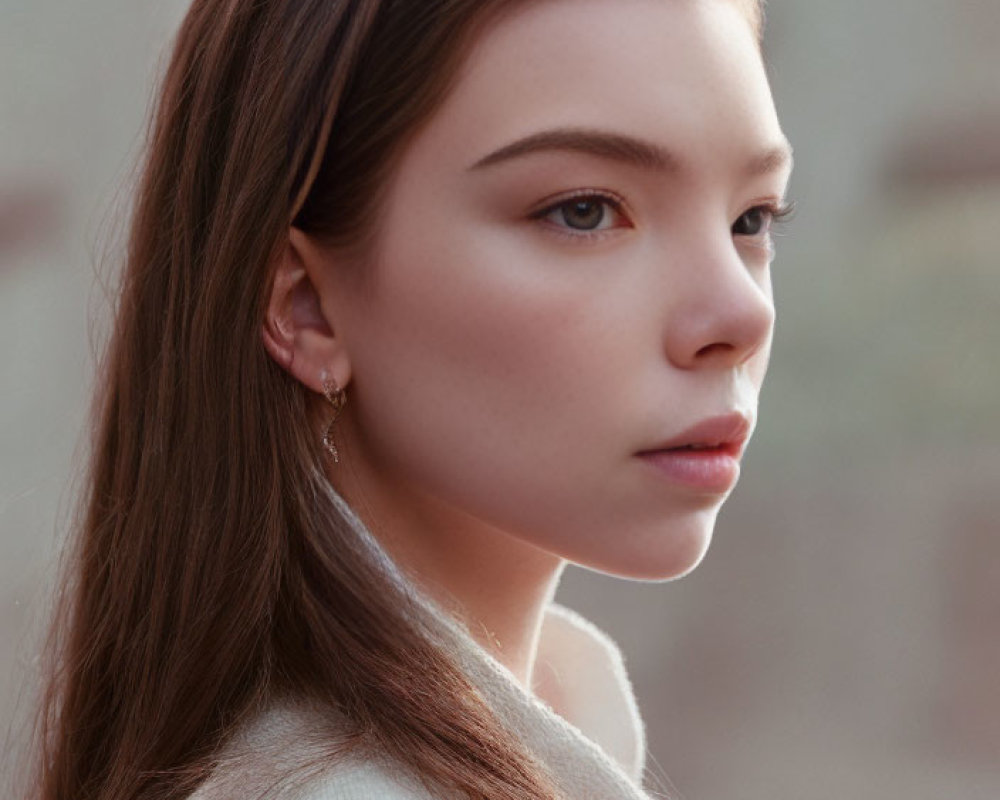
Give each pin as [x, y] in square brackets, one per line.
[498, 585]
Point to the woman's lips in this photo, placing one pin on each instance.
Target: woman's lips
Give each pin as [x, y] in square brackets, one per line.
[706, 457]
[713, 469]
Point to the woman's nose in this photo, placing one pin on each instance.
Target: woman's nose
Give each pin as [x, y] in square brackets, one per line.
[722, 312]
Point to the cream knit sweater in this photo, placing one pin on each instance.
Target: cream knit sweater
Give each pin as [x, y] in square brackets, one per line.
[582, 722]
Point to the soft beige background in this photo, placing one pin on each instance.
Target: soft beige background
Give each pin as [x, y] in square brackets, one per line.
[842, 639]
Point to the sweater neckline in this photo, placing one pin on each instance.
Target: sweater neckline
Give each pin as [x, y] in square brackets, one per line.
[582, 721]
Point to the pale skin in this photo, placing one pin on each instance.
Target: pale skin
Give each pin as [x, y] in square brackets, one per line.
[572, 265]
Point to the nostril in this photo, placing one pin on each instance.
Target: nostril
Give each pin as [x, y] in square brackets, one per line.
[716, 348]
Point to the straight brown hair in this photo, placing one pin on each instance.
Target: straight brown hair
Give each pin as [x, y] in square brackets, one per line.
[214, 570]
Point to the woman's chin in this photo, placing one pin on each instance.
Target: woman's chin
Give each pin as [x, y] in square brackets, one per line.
[670, 551]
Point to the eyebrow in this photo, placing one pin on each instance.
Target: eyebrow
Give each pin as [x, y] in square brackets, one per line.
[627, 149]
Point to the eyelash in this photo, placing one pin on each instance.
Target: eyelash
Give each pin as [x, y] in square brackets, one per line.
[778, 213]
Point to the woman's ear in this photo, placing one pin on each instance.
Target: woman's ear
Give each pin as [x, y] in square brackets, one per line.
[296, 333]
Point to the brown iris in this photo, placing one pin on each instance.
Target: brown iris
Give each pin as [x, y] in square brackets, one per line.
[585, 214]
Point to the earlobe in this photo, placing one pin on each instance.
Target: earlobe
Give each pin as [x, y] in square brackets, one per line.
[296, 334]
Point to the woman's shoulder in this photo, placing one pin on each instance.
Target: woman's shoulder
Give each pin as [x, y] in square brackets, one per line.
[296, 753]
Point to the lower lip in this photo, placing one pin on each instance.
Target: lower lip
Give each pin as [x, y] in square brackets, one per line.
[715, 470]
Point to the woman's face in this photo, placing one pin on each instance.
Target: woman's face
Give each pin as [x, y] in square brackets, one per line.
[570, 277]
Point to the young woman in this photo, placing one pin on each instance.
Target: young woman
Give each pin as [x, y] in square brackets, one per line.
[424, 299]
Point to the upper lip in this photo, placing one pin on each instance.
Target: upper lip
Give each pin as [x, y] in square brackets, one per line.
[728, 429]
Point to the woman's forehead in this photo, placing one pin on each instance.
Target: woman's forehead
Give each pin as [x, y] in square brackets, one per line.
[685, 79]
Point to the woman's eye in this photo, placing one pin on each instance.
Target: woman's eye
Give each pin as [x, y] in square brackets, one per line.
[583, 215]
[753, 222]
[586, 214]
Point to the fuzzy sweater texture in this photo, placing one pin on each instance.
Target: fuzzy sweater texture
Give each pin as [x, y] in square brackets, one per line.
[581, 721]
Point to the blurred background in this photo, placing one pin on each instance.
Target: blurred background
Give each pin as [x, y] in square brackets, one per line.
[842, 639]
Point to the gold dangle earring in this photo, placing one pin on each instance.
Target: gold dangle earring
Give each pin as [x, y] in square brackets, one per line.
[336, 397]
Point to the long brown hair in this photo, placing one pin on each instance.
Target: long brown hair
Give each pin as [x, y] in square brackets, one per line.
[214, 569]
